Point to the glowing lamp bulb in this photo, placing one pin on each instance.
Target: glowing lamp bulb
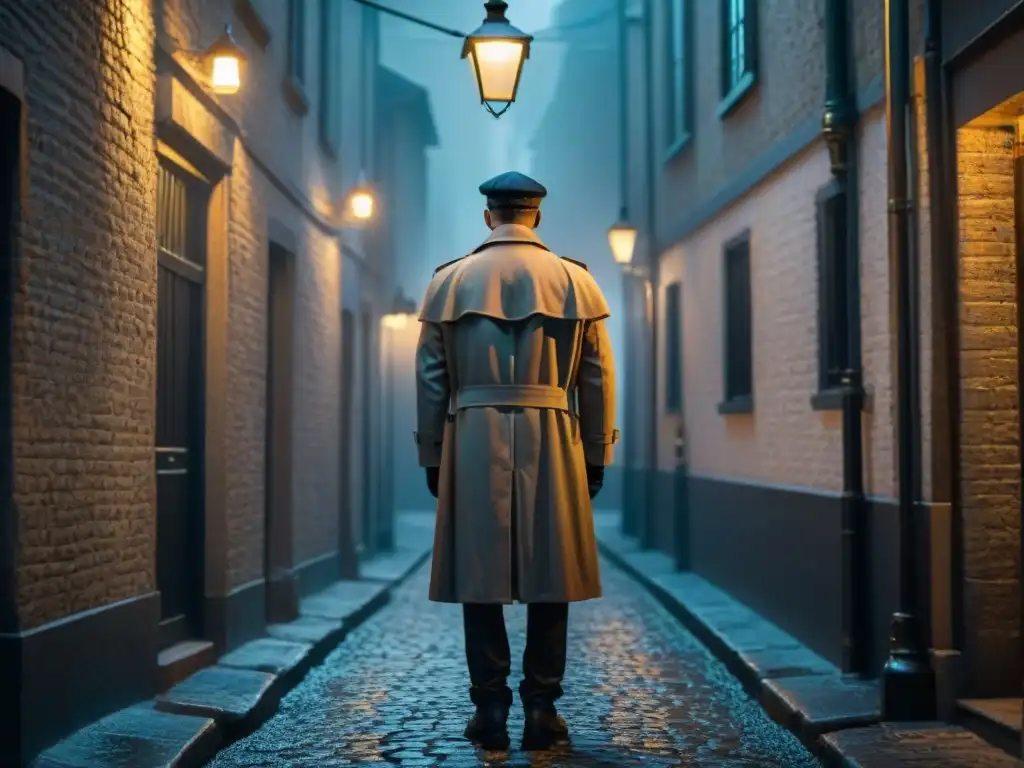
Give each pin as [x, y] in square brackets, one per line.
[226, 76]
[361, 205]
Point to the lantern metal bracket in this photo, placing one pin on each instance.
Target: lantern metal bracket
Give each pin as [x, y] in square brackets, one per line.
[224, 44]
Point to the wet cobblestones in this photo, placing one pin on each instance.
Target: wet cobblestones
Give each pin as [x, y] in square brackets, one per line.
[640, 691]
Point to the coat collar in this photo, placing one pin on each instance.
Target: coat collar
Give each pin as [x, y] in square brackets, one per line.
[512, 233]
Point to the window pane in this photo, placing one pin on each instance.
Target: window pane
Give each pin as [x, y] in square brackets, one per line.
[673, 347]
[296, 39]
[676, 70]
[739, 363]
[172, 213]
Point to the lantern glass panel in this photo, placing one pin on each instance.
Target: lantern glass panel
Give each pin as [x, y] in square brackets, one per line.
[226, 75]
[622, 240]
[496, 65]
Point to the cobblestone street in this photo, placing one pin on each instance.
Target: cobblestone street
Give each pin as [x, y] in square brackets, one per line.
[640, 691]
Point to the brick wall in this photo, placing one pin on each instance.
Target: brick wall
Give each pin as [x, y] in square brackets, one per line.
[84, 326]
[784, 441]
[989, 419]
[287, 143]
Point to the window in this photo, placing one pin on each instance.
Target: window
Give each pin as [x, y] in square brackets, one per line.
[330, 75]
[738, 336]
[677, 47]
[739, 54]
[833, 307]
[297, 41]
[673, 348]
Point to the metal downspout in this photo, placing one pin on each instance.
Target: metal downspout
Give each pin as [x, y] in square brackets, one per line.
[908, 682]
[839, 123]
[945, 554]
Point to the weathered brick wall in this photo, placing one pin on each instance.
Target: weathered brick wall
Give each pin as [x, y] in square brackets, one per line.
[84, 326]
[784, 441]
[288, 144]
[989, 419]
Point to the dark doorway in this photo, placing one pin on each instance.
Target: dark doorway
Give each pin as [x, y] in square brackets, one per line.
[366, 436]
[346, 525]
[282, 592]
[10, 143]
[181, 235]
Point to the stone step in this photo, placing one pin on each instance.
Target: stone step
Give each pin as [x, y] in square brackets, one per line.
[134, 737]
[180, 660]
[997, 721]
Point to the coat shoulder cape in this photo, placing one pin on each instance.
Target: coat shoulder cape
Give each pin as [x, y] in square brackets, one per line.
[522, 280]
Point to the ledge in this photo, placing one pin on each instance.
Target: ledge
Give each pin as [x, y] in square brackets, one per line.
[733, 98]
[676, 147]
[742, 404]
[831, 399]
[295, 95]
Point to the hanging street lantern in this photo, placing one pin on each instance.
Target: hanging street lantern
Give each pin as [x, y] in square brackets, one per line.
[622, 240]
[496, 51]
[226, 58]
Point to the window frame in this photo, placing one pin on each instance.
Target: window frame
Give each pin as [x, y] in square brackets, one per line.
[678, 62]
[673, 381]
[294, 85]
[738, 396]
[330, 80]
[833, 252]
[734, 89]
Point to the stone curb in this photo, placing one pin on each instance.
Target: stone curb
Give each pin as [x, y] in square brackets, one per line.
[835, 717]
[183, 734]
[771, 693]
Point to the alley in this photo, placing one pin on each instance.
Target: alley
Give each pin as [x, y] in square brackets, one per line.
[639, 691]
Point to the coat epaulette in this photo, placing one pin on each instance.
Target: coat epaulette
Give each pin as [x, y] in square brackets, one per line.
[577, 263]
[448, 263]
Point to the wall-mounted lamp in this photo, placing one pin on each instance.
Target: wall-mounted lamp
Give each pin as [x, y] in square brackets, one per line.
[622, 240]
[403, 311]
[360, 204]
[226, 58]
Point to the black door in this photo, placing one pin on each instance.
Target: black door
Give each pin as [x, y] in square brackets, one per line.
[346, 525]
[282, 597]
[367, 528]
[179, 420]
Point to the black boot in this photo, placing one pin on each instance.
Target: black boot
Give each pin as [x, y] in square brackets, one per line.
[544, 727]
[488, 728]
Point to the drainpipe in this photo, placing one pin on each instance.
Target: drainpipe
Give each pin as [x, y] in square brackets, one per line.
[628, 507]
[838, 125]
[650, 508]
[908, 681]
[944, 321]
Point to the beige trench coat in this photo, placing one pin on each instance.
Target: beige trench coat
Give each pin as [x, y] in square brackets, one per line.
[515, 386]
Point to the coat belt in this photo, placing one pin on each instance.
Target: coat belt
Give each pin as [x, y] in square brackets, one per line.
[510, 396]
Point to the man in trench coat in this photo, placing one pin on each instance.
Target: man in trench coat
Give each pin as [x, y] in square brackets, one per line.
[516, 421]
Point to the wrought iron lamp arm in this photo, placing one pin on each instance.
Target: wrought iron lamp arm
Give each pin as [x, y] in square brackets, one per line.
[413, 19]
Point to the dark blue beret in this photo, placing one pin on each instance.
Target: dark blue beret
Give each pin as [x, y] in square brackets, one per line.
[513, 189]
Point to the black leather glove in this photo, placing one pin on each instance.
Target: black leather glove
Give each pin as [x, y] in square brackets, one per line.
[595, 479]
[433, 479]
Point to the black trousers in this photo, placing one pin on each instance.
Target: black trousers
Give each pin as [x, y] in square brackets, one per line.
[490, 660]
